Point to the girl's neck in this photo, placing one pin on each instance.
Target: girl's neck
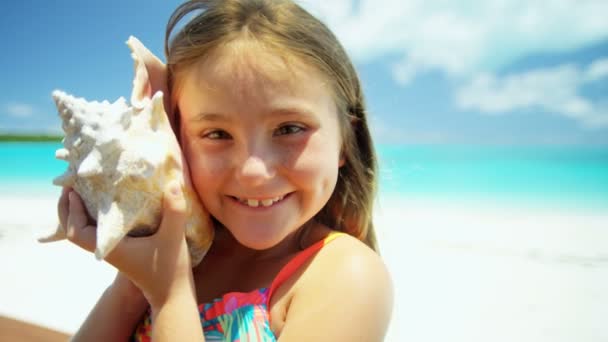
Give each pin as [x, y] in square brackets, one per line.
[226, 245]
[232, 267]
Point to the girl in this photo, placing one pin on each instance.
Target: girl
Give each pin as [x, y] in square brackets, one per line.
[270, 115]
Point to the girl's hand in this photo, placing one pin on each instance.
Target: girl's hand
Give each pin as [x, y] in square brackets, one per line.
[158, 264]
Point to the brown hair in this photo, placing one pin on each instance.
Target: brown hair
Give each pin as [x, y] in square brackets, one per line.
[290, 31]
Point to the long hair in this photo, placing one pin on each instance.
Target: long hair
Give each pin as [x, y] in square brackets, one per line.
[291, 32]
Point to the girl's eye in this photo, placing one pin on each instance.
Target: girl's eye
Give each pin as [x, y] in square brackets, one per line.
[217, 134]
[288, 129]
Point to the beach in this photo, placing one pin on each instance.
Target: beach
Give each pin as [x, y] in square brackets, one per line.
[486, 272]
[53, 285]
[461, 271]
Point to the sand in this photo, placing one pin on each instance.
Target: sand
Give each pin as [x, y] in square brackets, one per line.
[53, 285]
[16, 330]
[479, 272]
[461, 272]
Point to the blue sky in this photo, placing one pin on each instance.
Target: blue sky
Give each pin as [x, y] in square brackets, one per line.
[472, 72]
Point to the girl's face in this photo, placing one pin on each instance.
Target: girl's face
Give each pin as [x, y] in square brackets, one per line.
[262, 140]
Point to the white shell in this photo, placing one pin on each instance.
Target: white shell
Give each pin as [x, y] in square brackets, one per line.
[120, 159]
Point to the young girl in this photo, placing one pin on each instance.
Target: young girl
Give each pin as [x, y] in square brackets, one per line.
[270, 115]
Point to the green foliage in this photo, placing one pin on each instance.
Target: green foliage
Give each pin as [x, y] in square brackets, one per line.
[30, 138]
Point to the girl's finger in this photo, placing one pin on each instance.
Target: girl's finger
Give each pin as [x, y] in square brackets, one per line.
[63, 207]
[77, 230]
[174, 212]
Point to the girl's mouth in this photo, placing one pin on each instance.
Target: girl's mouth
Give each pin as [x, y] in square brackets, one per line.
[255, 203]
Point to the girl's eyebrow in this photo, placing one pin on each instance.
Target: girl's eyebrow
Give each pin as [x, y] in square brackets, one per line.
[217, 117]
[214, 117]
[291, 111]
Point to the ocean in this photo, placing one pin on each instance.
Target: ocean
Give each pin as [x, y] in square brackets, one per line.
[537, 176]
[546, 176]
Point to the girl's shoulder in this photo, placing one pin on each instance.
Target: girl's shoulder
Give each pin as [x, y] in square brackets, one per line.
[348, 288]
[347, 259]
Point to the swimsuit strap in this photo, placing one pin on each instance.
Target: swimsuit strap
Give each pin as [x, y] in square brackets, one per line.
[297, 261]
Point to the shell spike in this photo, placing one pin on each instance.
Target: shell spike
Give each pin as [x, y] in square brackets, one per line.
[69, 125]
[58, 234]
[66, 179]
[91, 165]
[61, 100]
[62, 154]
[59, 96]
[108, 236]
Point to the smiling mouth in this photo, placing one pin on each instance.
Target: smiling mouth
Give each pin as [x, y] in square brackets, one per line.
[255, 203]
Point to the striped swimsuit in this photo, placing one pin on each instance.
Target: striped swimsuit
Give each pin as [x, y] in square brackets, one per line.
[239, 316]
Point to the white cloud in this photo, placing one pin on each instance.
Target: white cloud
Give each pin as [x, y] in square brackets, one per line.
[19, 110]
[388, 132]
[383, 132]
[597, 70]
[554, 90]
[463, 37]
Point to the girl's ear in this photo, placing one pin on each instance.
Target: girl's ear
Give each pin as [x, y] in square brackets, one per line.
[150, 76]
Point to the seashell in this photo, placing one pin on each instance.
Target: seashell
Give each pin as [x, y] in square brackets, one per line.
[120, 159]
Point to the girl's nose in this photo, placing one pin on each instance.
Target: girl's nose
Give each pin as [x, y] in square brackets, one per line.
[255, 170]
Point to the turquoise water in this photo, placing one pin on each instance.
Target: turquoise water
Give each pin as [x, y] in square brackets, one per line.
[535, 175]
[29, 168]
[543, 175]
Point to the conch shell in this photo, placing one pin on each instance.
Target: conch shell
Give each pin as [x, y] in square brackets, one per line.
[121, 157]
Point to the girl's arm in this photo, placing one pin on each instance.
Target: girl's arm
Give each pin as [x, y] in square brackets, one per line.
[176, 318]
[345, 294]
[115, 315]
[120, 308]
[159, 265]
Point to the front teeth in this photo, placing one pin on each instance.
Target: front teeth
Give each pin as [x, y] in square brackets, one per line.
[254, 203]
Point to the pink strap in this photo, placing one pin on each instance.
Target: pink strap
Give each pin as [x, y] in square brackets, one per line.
[295, 263]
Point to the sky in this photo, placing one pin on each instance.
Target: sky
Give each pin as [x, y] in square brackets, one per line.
[505, 72]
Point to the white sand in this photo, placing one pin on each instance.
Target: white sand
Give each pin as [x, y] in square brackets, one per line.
[486, 273]
[54, 284]
[461, 273]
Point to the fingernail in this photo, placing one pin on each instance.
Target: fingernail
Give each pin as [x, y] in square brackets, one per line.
[175, 189]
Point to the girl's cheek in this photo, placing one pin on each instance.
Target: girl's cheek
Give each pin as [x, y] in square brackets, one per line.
[209, 166]
[202, 156]
[317, 160]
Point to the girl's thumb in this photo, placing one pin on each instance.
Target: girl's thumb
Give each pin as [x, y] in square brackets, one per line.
[174, 209]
